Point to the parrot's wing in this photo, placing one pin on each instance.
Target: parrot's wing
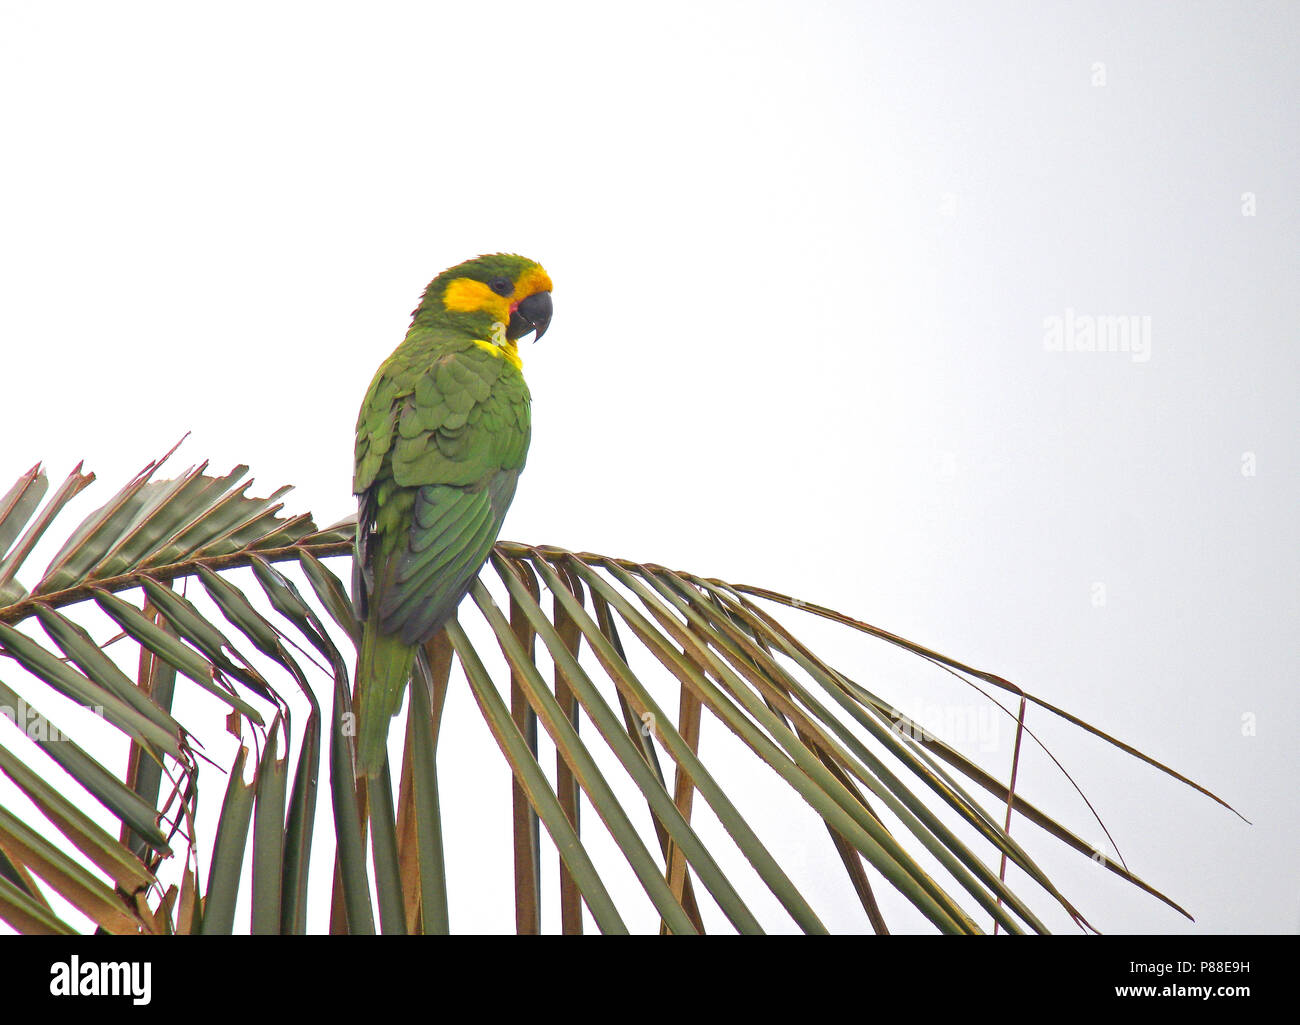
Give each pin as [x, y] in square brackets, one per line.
[438, 473]
[451, 536]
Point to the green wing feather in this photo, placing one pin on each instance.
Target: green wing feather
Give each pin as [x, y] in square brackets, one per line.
[441, 440]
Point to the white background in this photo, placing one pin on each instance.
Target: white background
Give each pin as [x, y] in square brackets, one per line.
[803, 256]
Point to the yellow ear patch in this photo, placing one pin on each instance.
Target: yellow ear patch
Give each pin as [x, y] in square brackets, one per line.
[465, 295]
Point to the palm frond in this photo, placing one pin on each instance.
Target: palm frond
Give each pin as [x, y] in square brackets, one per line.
[188, 590]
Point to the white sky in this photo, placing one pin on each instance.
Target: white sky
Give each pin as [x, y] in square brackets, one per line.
[803, 258]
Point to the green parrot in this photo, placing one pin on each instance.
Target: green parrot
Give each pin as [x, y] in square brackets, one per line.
[441, 439]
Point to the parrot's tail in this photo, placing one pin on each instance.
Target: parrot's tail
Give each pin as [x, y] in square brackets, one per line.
[383, 669]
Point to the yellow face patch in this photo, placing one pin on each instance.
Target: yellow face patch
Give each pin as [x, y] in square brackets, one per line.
[531, 282]
[465, 295]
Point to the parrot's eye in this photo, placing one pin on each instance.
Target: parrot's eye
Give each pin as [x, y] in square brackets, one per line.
[501, 286]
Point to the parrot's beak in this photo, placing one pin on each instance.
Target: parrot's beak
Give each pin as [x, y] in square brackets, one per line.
[533, 314]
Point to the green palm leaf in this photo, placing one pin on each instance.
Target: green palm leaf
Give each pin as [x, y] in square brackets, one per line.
[178, 593]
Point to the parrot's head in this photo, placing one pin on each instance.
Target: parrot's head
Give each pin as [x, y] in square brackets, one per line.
[500, 289]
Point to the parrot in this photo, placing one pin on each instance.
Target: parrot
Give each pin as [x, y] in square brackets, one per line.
[442, 436]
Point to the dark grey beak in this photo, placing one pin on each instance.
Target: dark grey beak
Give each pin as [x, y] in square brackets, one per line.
[533, 314]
